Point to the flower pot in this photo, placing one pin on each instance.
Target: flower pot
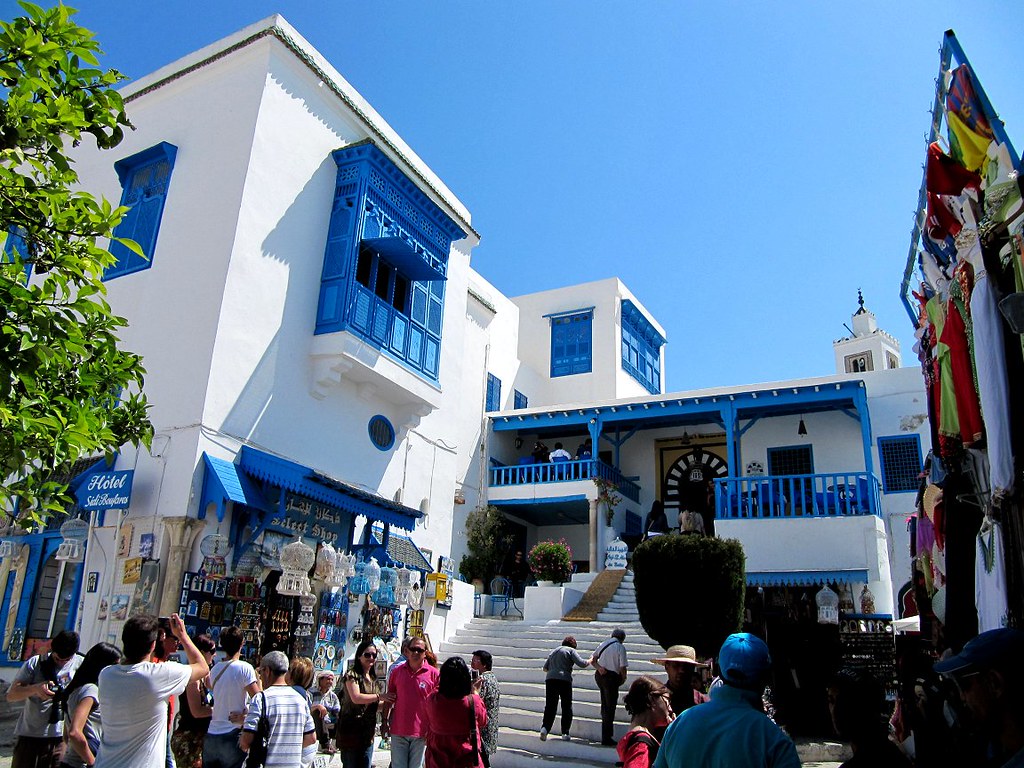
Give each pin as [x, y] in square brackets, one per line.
[545, 583]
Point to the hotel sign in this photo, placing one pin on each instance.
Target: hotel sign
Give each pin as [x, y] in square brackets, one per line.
[106, 490]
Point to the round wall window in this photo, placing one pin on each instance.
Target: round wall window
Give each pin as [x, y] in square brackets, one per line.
[382, 434]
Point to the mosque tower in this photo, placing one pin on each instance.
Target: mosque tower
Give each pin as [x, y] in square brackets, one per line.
[868, 348]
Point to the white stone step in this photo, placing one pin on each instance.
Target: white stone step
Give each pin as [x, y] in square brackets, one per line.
[576, 752]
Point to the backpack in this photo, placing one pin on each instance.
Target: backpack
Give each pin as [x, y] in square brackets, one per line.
[643, 738]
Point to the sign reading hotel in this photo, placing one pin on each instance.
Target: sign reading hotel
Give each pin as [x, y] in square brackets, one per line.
[107, 490]
[305, 517]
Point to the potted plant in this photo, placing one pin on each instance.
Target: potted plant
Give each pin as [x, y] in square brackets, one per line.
[551, 561]
[485, 527]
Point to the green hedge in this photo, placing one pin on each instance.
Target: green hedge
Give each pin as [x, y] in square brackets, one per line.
[689, 590]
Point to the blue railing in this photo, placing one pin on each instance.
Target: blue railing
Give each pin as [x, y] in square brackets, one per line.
[820, 495]
[562, 472]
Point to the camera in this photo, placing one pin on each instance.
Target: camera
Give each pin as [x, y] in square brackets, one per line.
[474, 674]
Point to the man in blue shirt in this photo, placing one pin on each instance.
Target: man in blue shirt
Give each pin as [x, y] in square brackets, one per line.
[731, 730]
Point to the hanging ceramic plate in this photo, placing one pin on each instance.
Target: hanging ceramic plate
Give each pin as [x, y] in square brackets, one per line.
[330, 652]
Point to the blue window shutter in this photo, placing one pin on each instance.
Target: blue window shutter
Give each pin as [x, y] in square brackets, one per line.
[519, 400]
[333, 278]
[145, 179]
[493, 393]
[571, 344]
[900, 457]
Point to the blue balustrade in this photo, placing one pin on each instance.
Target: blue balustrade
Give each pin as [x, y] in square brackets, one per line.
[562, 472]
[836, 494]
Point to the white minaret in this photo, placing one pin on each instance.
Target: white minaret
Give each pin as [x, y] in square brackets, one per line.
[869, 348]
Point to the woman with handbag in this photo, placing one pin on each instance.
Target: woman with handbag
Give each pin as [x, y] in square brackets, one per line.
[455, 716]
[195, 713]
[357, 721]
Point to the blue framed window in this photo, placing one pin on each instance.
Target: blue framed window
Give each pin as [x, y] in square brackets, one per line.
[493, 393]
[571, 343]
[791, 460]
[900, 457]
[145, 179]
[382, 433]
[16, 242]
[641, 348]
[518, 399]
[386, 261]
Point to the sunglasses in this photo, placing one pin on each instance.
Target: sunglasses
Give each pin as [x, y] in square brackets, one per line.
[369, 655]
[417, 650]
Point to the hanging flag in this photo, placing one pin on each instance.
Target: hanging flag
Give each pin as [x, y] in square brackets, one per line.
[945, 176]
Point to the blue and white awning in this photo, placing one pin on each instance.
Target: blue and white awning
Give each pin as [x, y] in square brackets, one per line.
[806, 578]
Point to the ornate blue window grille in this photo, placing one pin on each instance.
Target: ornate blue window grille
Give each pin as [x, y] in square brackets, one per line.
[386, 261]
[641, 348]
[900, 457]
[144, 178]
[519, 400]
[493, 393]
[571, 342]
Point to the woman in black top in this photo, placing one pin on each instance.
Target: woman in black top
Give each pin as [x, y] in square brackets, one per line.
[196, 708]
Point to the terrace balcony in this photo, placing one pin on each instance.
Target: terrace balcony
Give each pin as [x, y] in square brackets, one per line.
[834, 494]
[559, 472]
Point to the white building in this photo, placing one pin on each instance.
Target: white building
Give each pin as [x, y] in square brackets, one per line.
[322, 357]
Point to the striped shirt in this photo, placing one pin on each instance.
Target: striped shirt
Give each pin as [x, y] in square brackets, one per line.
[290, 720]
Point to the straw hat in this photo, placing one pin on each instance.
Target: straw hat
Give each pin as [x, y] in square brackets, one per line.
[683, 654]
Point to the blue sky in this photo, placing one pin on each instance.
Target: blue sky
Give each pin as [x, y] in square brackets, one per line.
[743, 167]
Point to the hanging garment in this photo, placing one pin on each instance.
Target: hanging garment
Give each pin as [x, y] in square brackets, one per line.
[966, 146]
[990, 577]
[990, 362]
[945, 176]
[955, 337]
[949, 422]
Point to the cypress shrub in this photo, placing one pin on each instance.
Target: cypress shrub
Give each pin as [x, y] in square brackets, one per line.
[689, 590]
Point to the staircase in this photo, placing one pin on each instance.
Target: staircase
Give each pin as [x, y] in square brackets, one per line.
[519, 652]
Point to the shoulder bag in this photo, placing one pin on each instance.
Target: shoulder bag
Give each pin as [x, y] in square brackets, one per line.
[261, 739]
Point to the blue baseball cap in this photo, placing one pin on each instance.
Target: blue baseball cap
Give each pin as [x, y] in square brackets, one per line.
[987, 650]
[744, 660]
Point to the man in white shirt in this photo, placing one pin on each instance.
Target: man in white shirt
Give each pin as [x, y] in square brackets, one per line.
[134, 693]
[233, 683]
[609, 661]
[559, 454]
[287, 713]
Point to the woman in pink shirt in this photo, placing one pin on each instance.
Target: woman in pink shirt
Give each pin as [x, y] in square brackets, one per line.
[456, 716]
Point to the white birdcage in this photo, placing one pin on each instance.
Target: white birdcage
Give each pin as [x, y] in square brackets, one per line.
[403, 588]
[296, 560]
[72, 548]
[213, 548]
[373, 575]
[828, 606]
[326, 563]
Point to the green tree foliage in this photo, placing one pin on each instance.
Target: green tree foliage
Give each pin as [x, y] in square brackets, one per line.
[689, 590]
[66, 390]
[485, 531]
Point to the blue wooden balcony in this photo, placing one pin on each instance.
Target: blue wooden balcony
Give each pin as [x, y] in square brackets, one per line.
[819, 495]
[572, 470]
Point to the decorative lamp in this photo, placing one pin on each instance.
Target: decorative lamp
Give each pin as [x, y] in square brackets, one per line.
[828, 606]
[326, 562]
[373, 574]
[296, 560]
[359, 585]
[72, 548]
[214, 547]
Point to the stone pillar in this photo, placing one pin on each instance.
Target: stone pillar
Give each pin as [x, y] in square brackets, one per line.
[595, 547]
[181, 534]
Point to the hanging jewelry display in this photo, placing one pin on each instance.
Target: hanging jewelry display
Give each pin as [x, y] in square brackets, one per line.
[296, 560]
[72, 548]
[214, 547]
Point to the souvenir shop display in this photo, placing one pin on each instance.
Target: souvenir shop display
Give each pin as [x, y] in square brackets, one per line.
[331, 630]
[245, 611]
[868, 642]
[214, 547]
[202, 603]
[280, 623]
